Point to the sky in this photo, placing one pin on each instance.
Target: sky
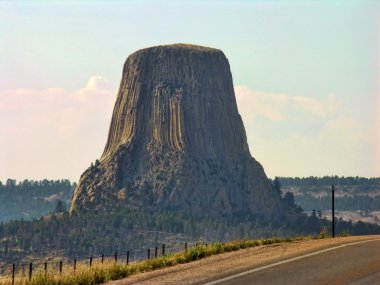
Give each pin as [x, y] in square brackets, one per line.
[306, 78]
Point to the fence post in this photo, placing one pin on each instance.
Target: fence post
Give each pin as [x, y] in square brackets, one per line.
[148, 253]
[127, 257]
[102, 257]
[333, 209]
[155, 252]
[30, 271]
[90, 261]
[13, 273]
[60, 267]
[163, 249]
[185, 246]
[45, 268]
[75, 265]
[116, 257]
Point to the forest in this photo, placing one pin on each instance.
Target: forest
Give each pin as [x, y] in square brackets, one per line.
[74, 237]
[351, 193]
[58, 234]
[328, 180]
[30, 199]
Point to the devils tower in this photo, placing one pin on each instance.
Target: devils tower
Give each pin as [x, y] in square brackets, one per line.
[177, 142]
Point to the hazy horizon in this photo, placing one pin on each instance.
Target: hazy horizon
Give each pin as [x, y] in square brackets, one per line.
[306, 77]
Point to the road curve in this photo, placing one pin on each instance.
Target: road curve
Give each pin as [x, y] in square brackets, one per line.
[354, 263]
[343, 260]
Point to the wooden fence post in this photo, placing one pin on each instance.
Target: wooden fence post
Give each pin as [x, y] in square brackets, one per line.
[333, 209]
[102, 257]
[45, 268]
[13, 273]
[116, 257]
[90, 261]
[60, 267]
[163, 249]
[155, 252]
[127, 257]
[30, 271]
[148, 253]
[75, 265]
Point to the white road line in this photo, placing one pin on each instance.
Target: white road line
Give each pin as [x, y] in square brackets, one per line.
[283, 262]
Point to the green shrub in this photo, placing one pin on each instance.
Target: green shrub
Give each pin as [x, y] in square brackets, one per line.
[101, 273]
[216, 248]
[195, 253]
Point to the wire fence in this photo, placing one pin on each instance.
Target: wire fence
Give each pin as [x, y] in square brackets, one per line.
[26, 270]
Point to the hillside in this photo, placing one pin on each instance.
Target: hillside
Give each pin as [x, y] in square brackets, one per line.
[137, 229]
[29, 199]
[134, 229]
[356, 198]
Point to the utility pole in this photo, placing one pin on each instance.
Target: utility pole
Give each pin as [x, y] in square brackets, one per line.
[333, 210]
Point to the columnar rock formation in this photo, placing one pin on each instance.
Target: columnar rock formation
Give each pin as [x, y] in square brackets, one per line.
[177, 142]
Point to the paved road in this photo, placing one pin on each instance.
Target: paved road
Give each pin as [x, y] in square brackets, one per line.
[356, 264]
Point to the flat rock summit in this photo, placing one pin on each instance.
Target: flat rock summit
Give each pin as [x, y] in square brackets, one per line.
[177, 142]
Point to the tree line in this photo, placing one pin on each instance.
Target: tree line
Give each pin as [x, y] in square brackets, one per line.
[31, 199]
[355, 193]
[81, 236]
[58, 234]
[354, 203]
[329, 180]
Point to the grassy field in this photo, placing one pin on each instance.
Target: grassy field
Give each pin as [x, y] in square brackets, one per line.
[109, 270]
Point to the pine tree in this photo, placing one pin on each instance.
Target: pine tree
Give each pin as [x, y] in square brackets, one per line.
[277, 185]
[60, 207]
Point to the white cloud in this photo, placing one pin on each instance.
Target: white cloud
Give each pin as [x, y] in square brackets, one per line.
[376, 133]
[279, 107]
[296, 135]
[97, 82]
[332, 105]
[45, 131]
[56, 133]
[96, 88]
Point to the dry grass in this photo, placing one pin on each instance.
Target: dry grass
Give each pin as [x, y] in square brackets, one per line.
[109, 270]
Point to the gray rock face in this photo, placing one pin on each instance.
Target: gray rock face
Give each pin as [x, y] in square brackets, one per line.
[177, 141]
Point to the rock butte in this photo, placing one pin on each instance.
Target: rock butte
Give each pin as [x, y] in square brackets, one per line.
[177, 142]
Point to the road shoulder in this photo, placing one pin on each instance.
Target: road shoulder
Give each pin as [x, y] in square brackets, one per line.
[226, 264]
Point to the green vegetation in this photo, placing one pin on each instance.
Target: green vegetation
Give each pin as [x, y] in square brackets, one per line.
[328, 180]
[31, 199]
[352, 193]
[88, 235]
[109, 270]
[81, 236]
[355, 203]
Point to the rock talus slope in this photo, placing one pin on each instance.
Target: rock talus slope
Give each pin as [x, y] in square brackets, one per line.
[177, 142]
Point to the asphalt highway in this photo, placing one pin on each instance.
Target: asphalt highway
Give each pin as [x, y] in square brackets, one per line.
[355, 264]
